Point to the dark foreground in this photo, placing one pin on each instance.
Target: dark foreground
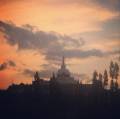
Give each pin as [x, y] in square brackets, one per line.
[33, 105]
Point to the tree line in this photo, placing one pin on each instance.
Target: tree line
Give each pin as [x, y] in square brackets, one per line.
[102, 80]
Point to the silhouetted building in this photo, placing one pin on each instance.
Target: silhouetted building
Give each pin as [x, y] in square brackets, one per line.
[63, 82]
[63, 75]
[40, 85]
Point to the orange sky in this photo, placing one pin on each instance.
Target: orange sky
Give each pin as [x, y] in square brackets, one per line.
[96, 23]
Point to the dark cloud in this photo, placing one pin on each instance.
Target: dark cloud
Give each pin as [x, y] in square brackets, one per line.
[28, 72]
[115, 52]
[24, 38]
[42, 74]
[45, 73]
[51, 44]
[3, 66]
[74, 53]
[7, 64]
[113, 5]
[11, 63]
[111, 26]
[109, 32]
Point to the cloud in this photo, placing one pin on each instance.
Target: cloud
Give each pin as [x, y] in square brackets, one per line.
[11, 63]
[24, 38]
[107, 37]
[3, 66]
[109, 29]
[113, 5]
[111, 26]
[27, 39]
[44, 73]
[51, 44]
[28, 72]
[53, 55]
[7, 64]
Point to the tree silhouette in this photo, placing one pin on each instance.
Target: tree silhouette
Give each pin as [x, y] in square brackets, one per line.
[36, 76]
[116, 71]
[112, 85]
[95, 75]
[111, 70]
[105, 77]
[100, 80]
[116, 85]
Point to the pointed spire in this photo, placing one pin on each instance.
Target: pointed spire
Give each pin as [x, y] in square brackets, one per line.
[63, 62]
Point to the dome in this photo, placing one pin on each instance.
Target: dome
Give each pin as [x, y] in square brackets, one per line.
[64, 76]
[63, 71]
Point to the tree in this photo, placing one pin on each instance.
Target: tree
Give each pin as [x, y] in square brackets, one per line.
[116, 71]
[95, 75]
[116, 85]
[111, 70]
[112, 85]
[105, 77]
[100, 80]
[36, 76]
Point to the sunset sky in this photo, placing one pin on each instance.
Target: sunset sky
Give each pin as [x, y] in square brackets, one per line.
[35, 34]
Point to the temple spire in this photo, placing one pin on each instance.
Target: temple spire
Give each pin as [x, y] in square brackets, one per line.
[63, 62]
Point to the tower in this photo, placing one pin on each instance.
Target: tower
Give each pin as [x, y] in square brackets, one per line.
[63, 66]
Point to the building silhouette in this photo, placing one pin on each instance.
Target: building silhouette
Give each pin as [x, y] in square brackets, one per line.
[62, 82]
[63, 76]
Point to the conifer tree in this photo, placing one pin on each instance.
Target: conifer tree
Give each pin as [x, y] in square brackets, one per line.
[111, 70]
[100, 80]
[105, 77]
[112, 85]
[116, 71]
[95, 75]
